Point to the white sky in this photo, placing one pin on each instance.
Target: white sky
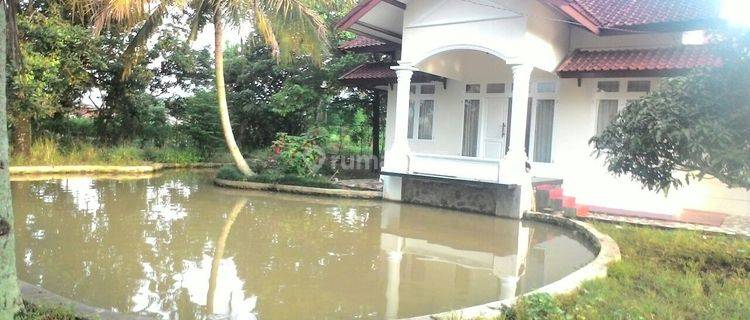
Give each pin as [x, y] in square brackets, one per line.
[737, 12]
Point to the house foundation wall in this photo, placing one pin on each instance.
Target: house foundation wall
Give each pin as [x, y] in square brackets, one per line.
[484, 198]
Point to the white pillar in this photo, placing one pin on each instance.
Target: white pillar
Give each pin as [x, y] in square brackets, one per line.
[516, 157]
[396, 158]
[394, 282]
[508, 287]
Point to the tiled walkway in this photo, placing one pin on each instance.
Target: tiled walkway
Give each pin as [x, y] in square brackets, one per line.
[732, 225]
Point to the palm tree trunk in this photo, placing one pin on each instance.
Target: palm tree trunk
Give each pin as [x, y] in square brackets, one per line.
[221, 95]
[10, 297]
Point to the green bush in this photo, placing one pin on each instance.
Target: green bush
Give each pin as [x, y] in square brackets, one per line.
[230, 172]
[534, 307]
[124, 155]
[34, 312]
[299, 155]
[314, 182]
[173, 155]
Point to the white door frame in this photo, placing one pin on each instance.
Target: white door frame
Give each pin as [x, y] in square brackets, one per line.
[482, 116]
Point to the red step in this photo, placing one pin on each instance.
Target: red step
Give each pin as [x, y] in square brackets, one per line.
[582, 211]
[556, 194]
[569, 202]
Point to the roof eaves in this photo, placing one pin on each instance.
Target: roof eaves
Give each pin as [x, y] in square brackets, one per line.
[356, 13]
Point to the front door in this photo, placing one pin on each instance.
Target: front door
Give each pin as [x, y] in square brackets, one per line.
[497, 127]
[470, 145]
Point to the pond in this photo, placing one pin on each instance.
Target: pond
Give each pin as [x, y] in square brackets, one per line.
[175, 246]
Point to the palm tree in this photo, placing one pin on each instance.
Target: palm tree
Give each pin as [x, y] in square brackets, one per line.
[10, 297]
[288, 27]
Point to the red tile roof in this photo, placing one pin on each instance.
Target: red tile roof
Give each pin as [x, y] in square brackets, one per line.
[611, 16]
[622, 13]
[361, 42]
[380, 73]
[370, 71]
[634, 61]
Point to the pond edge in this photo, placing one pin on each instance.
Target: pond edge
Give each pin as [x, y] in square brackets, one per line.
[42, 297]
[607, 252]
[24, 170]
[342, 193]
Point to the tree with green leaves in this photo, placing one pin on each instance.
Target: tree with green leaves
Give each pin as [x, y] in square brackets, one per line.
[54, 72]
[693, 127]
[289, 27]
[10, 297]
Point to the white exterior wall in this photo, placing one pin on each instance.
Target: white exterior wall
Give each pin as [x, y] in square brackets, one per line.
[585, 177]
[467, 43]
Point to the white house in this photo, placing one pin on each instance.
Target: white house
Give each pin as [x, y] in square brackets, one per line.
[454, 135]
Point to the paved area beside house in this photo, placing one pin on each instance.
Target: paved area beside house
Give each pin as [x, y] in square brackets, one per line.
[732, 225]
[362, 184]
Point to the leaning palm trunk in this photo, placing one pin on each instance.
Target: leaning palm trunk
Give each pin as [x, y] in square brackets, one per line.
[10, 297]
[221, 243]
[221, 94]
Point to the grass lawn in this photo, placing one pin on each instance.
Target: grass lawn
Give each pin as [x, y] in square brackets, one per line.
[32, 312]
[663, 275]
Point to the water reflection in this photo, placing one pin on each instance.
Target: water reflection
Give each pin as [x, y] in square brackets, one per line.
[180, 248]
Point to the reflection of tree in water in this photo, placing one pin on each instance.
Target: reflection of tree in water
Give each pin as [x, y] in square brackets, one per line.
[177, 246]
[132, 251]
[317, 258]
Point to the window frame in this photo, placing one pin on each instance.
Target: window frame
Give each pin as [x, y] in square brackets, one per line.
[417, 97]
[535, 95]
[622, 96]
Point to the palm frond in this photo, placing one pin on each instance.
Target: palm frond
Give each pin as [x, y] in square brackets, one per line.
[198, 20]
[133, 51]
[265, 29]
[299, 29]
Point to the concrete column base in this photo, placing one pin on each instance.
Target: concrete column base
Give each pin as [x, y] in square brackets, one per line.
[391, 188]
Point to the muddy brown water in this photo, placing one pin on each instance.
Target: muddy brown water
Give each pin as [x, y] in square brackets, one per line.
[177, 247]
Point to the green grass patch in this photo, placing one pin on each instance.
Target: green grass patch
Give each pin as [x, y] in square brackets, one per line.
[231, 173]
[34, 312]
[663, 275]
[48, 152]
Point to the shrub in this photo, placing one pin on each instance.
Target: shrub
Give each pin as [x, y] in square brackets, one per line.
[534, 307]
[299, 155]
[230, 172]
[173, 155]
[292, 180]
[124, 155]
[34, 312]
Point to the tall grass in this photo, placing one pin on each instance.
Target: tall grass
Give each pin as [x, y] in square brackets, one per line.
[46, 152]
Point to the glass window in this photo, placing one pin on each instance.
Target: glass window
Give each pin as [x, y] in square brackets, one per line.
[545, 113]
[639, 86]
[427, 89]
[426, 112]
[473, 88]
[607, 111]
[608, 86]
[410, 132]
[413, 89]
[546, 87]
[471, 128]
[496, 88]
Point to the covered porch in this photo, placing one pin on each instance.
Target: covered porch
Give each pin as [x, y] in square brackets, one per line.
[466, 127]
